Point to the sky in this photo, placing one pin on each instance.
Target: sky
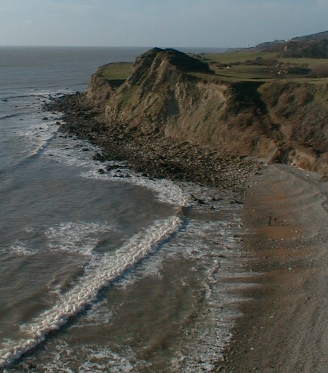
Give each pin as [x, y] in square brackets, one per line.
[162, 23]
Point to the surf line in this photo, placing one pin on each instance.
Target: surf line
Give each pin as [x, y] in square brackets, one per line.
[110, 267]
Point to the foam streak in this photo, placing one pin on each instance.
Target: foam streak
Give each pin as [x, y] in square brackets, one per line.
[108, 268]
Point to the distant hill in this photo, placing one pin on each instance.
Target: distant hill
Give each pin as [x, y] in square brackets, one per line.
[317, 36]
[308, 46]
[268, 45]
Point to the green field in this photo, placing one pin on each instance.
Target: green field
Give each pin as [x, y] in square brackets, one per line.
[237, 56]
[242, 65]
[115, 71]
[255, 65]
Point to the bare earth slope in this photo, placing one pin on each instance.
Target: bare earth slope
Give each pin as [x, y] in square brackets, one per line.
[285, 329]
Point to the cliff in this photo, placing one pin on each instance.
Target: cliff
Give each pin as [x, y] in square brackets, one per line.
[105, 81]
[173, 95]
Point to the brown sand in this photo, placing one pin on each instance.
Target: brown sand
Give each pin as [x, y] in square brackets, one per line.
[285, 328]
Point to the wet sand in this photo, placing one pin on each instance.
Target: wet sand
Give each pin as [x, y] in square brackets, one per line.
[284, 328]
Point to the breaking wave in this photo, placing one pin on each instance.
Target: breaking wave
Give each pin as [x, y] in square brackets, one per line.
[76, 238]
[101, 271]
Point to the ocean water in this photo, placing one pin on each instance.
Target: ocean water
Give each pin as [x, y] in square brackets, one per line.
[101, 273]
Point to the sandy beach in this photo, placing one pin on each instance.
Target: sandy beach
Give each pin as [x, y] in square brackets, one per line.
[284, 327]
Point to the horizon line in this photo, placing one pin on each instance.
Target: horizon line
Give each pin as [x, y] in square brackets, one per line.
[111, 46]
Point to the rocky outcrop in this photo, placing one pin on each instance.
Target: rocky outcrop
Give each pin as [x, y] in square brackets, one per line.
[173, 95]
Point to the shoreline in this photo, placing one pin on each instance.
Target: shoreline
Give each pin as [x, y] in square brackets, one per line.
[271, 217]
[283, 328]
[229, 186]
[153, 155]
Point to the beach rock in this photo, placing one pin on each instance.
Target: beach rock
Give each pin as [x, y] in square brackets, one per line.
[99, 157]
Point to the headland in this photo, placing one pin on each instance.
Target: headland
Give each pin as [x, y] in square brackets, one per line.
[249, 121]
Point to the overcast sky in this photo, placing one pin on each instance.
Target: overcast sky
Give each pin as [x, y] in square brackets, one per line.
[163, 23]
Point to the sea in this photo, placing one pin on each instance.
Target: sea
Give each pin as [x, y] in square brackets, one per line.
[101, 273]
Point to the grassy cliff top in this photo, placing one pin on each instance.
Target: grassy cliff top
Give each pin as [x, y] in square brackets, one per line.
[254, 64]
[241, 65]
[115, 71]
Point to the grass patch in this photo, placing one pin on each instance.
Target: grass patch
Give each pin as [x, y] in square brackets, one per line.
[255, 65]
[238, 56]
[116, 71]
[307, 62]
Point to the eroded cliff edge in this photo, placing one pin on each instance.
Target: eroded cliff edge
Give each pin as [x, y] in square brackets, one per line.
[176, 96]
[168, 97]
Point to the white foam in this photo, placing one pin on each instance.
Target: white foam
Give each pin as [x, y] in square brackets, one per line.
[39, 135]
[20, 249]
[98, 314]
[76, 238]
[107, 269]
[213, 247]
[166, 190]
[75, 156]
[70, 152]
[29, 229]
[90, 359]
[212, 331]
[37, 132]
[194, 242]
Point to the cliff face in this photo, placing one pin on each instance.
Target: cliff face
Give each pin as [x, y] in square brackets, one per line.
[166, 95]
[105, 82]
[300, 113]
[100, 90]
[173, 95]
